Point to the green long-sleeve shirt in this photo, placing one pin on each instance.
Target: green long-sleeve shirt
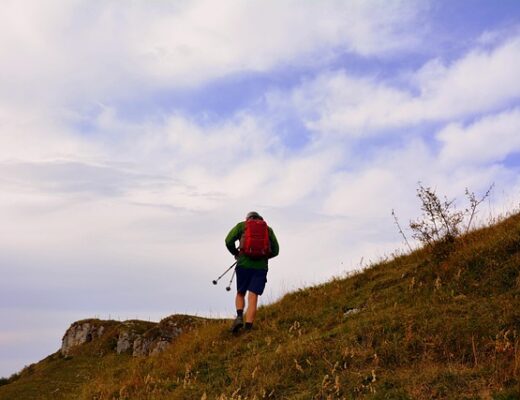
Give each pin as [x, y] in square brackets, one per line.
[244, 261]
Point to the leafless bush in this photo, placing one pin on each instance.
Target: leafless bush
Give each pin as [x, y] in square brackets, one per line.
[396, 221]
[441, 222]
[474, 203]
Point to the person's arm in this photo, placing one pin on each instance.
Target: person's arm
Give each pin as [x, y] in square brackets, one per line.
[233, 235]
[275, 248]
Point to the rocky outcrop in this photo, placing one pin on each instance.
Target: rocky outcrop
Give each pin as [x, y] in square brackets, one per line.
[125, 342]
[80, 332]
[138, 338]
[157, 338]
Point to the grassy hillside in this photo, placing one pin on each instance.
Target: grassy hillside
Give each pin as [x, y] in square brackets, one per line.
[418, 326]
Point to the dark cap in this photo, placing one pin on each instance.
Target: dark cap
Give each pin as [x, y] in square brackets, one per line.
[253, 215]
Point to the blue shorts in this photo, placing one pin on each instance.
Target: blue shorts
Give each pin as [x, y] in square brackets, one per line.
[251, 279]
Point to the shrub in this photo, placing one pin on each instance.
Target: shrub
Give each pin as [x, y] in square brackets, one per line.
[441, 222]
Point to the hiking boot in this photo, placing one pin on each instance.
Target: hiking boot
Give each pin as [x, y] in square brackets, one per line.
[238, 324]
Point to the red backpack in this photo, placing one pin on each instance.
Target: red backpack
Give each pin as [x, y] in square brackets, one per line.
[255, 241]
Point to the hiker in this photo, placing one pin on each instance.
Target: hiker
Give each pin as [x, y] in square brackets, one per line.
[257, 244]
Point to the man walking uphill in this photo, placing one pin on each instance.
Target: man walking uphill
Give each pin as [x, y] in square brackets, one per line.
[257, 244]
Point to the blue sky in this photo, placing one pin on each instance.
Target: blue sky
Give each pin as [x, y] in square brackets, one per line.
[134, 136]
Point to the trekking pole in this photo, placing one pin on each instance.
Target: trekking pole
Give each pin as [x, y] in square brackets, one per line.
[228, 288]
[225, 272]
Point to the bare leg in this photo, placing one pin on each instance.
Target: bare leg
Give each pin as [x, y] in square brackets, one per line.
[252, 302]
[240, 301]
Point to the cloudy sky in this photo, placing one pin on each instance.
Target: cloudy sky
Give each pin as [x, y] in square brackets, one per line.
[134, 135]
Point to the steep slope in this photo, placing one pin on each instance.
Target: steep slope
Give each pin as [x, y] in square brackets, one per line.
[418, 326]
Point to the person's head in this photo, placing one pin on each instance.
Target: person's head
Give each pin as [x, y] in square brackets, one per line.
[253, 215]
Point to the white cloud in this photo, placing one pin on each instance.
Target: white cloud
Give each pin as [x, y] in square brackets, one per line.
[212, 40]
[480, 81]
[369, 191]
[351, 106]
[32, 134]
[59, 52]
[389, 181]
[487, 140]
[293, 180]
